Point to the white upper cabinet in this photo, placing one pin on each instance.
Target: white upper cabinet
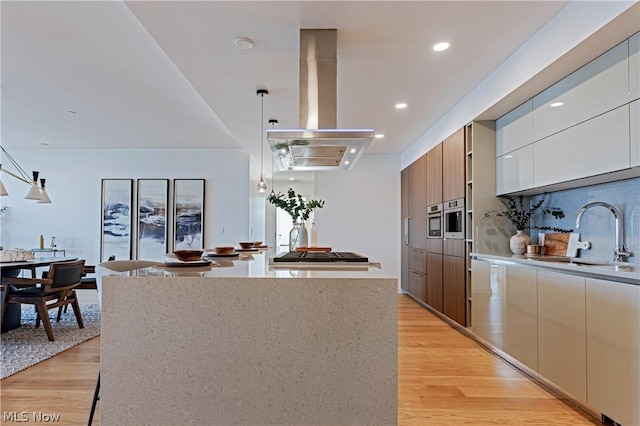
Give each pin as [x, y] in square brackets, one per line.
[597, 146]
[514, 171]
[514, 129]
[634, 67]
[634, 129]
[599, 86]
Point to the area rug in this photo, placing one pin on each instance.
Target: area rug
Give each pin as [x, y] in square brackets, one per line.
[27, 345]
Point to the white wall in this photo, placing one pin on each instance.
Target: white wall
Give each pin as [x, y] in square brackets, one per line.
[74, 185]
[362, 210]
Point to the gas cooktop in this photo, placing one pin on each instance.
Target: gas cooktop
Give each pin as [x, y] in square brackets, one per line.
[320, 256]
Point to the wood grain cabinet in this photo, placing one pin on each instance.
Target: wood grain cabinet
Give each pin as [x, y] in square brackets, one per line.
[405, 213]
[418, 203]
[435, 296]
[417, 271]
[417, 285]
[454, 288]
[453, 166]
[434, 175]
[562, 355]
[613, 349]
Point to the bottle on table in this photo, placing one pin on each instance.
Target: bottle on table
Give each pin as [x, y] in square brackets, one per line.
[41, 242]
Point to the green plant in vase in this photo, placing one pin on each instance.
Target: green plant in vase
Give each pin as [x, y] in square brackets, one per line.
[299, 209]
[519, 214]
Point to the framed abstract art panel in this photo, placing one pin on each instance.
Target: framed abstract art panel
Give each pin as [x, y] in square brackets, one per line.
[188, 214]
[116, 223]
[153, 203]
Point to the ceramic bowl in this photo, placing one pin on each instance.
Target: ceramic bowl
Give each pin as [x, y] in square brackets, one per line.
[224, 250]
[188, 255]
[246, 245]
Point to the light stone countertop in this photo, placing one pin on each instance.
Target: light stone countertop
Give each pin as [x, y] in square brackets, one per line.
[256, 265]
[601, 269]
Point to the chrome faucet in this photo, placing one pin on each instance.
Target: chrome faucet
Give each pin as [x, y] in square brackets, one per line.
[619, 251]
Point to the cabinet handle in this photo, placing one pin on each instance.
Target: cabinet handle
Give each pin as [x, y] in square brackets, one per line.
[406, 231]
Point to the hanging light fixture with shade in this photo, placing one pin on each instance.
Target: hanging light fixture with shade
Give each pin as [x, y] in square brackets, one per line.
[262, 185]
[37, 193]
[273, 123]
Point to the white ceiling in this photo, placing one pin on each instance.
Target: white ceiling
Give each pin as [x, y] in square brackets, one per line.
[167, 74]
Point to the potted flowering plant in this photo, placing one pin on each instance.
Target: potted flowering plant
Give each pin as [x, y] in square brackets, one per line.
[299, 209]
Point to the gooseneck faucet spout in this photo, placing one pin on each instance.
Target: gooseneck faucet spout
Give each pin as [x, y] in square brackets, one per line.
[619, 250]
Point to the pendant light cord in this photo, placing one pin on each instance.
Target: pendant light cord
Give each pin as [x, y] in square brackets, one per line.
[262, 135]
[262, 186]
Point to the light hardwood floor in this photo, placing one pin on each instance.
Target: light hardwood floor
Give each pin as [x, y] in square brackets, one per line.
[444, 378]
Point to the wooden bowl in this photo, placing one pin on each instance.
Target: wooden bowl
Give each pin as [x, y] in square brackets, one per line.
[188, 255]
[257, 243]
[224, 250]
[246, 245]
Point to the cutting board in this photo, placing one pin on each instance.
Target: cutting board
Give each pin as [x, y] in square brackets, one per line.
[562, 244]
[555, 244]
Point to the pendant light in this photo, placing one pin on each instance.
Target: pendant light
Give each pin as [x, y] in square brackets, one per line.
[35, 193]
[262, 185]
[273, 123]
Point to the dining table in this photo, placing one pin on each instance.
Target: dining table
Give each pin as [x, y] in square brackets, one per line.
[13, 312]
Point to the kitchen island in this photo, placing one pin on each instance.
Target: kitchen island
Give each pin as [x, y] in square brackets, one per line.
[245, 343]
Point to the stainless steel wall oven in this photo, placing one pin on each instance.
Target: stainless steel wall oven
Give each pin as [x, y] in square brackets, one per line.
[434, 221]
[454, 219]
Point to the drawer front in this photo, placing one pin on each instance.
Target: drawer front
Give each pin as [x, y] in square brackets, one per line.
[418, 260]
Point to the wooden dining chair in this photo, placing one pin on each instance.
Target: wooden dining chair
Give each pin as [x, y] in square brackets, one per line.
[54, 291]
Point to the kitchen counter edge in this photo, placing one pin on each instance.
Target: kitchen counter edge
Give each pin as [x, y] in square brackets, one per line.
[630, 276]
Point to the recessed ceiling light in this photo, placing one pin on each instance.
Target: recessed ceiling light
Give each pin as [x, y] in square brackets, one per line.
[346, 162]
[508, 156]
[556, 104]
[292, 178]
[439, 47]
[243, 43]
[352, 150]
[379, 136]
[71, 112]
[401, 105]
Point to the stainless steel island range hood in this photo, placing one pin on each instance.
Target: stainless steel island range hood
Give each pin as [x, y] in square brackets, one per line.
[318, 145]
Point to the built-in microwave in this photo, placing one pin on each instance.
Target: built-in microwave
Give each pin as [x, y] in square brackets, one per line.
[454, 219]
[434, 221]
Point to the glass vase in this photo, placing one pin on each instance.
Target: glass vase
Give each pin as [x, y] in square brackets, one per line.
[294, 237]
